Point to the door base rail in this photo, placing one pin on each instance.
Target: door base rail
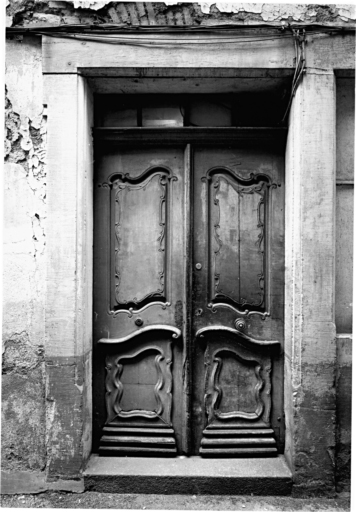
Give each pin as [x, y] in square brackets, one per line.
[238, 443]
[117, 441]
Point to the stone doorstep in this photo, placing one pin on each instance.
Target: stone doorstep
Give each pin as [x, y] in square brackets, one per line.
[188, 475]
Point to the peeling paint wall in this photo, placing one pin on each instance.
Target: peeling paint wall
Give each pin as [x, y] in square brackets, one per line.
[23, 12]
[23, 391]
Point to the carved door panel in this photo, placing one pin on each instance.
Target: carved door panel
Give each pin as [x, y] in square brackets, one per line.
[188, 300]
[238, 267]
[138, 301]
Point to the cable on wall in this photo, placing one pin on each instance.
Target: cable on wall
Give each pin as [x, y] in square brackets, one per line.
[115, 34]
[300, 67]
[137, 36]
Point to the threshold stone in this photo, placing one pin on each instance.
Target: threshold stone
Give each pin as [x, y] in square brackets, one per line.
[188, 475]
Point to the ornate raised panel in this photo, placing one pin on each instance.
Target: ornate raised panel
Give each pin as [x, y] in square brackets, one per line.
[160, 390]
[237, 397]
[236, 386]
[139, 400]
[140, 240]
[252, 385]
[238, 230]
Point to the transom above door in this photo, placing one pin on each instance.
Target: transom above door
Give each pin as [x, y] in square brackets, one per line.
[188, 293]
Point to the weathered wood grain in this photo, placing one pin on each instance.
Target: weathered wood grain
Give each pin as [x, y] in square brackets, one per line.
[186, 73]
[187, 298]
[202, 85]
[345, 128]
[344, 258]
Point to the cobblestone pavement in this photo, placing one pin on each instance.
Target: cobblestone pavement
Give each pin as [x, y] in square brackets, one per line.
[96, 500]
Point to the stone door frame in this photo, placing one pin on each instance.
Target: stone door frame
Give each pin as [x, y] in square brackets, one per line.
[72, 70]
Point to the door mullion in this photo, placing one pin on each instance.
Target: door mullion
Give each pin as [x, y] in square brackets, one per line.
[187, 298]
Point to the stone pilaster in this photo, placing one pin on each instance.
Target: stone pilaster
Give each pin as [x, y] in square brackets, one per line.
[310, 274]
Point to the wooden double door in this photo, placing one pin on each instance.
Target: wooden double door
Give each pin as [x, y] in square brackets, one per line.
[188, 299]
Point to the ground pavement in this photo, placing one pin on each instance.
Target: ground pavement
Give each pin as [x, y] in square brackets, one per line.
[97, 500]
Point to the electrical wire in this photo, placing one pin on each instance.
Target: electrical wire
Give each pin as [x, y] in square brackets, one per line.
[166, 43]
[112, 27]
[118, 34]
[115, 34]
[299, 68]
[159, 42]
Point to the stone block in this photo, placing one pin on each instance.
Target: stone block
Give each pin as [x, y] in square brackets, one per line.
[343, 413]
[22, 482]
[23, 420]
[64, 418]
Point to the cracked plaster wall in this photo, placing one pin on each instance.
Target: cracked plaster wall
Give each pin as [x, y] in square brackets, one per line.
[23, 390]
[29, 13]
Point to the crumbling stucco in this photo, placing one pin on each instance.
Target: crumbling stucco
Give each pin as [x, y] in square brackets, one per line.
[25, 193]
[25, 143]
[64, 424]
[19, 355]
[26, 13]
[23, 410]
[23, 390]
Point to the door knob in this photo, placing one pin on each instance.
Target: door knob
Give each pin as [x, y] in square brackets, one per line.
[198, 266]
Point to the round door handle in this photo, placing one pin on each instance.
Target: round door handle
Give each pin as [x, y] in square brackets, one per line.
[198, 266]
[139, 322]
